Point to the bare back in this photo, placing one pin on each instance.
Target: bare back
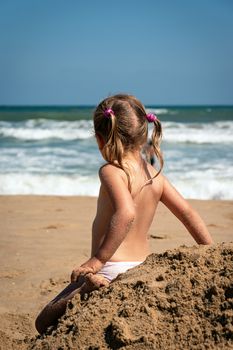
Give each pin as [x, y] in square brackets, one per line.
[145, 195]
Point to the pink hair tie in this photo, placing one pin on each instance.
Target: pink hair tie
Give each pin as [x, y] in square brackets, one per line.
[151, 117]
[108, 112]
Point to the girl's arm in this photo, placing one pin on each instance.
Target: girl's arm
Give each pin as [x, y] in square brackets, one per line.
[121, 221]
[123, 210]
[185, 213]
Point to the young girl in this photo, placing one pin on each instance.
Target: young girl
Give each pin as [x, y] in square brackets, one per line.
[129, 195]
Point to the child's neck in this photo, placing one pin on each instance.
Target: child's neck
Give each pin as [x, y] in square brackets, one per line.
[133, 157]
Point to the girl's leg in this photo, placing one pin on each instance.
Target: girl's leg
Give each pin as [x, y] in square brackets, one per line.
[57, 307]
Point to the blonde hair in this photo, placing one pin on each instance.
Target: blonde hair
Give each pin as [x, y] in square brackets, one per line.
[125, 129]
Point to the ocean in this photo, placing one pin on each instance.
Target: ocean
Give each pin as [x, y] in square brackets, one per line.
[52, 150]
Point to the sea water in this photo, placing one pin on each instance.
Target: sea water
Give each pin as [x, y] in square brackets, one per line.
[52, 150]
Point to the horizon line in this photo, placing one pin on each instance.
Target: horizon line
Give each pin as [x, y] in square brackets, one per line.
[93, 105]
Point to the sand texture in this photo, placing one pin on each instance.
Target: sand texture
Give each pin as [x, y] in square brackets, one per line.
[177, 299]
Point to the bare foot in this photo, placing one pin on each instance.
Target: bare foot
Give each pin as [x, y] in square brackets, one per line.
[92, 282]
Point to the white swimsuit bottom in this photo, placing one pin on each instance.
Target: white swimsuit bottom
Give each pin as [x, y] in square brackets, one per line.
[112, 268]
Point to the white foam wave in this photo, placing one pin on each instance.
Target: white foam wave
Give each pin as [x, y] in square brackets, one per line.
[13, 184]
[196, 186]
[48, 160]
[202, 178]
[159, 111]
[46, 129]
[212, 133]
[173, 132]
[202, 187]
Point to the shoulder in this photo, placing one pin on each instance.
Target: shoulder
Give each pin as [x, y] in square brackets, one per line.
[172, 198]
[164, 182]
[153, 174]
[162, 179]
[114, 184]
[158, 184]
[110, 170]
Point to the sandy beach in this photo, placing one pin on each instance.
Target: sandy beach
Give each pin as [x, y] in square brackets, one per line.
[43, 238]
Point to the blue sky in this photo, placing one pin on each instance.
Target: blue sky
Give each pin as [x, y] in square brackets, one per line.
[79, 51]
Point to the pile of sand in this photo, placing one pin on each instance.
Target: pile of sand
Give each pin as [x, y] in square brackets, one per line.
[179, 299]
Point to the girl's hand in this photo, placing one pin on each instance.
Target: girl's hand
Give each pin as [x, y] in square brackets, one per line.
[93, 265]
[80, 271]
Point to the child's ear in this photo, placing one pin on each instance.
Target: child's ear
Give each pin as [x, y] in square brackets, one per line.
[100, 141]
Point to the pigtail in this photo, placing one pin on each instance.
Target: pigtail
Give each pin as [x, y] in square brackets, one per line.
[156, 139]
[113, 150]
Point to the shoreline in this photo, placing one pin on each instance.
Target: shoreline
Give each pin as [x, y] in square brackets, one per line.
[95, 197]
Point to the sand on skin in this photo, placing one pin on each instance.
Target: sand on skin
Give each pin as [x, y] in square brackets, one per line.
[43, 238]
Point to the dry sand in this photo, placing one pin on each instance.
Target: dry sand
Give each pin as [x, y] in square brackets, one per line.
[175, 300]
